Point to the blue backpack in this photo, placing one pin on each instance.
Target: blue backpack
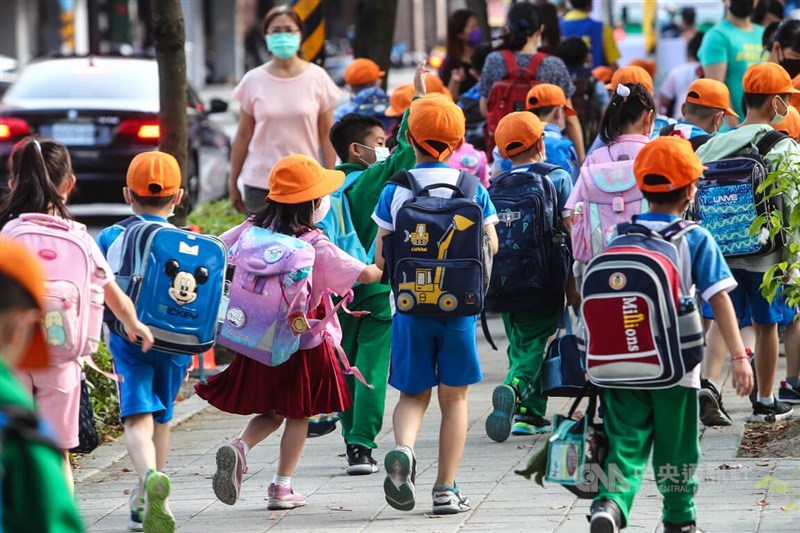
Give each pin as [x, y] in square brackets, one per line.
[338, 224]
[561, 153]
[531, 267]
[435, 257]
[176, 280]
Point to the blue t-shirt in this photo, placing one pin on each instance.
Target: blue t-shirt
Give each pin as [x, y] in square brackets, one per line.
[709, 271]
[563, 184]
[393, 197]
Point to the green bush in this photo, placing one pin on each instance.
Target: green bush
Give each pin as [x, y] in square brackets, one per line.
[103, 392]
[215, 218]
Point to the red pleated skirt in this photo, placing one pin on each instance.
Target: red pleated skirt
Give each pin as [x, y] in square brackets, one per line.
[309, 383]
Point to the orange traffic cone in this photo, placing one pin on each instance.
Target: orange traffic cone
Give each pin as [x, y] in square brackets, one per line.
[203, 362]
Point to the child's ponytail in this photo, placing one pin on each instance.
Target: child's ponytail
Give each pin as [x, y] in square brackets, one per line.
[628, 103]
[38, 168]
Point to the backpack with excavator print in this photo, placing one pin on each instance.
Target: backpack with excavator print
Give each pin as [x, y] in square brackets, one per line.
[435, 257]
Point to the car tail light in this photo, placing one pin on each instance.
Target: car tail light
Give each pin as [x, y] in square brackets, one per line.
[146, 130]
[11, 127]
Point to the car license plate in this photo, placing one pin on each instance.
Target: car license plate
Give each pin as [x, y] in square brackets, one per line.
[74, 134]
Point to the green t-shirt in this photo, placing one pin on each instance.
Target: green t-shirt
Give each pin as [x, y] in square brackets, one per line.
[739, 49]
[34, 491]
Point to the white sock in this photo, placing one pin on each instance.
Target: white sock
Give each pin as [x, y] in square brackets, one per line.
[286, 481]
[766, 401]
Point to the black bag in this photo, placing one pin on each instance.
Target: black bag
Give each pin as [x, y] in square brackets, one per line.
[87, 432]
[563, 372]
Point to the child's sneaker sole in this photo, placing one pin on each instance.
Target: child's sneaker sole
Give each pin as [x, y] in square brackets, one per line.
[224, 481]
[157, 517]
[523, 429]
[498, 423]
[280, 505]
[397, 487]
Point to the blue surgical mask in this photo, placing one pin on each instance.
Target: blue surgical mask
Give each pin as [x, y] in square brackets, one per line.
[283, 45]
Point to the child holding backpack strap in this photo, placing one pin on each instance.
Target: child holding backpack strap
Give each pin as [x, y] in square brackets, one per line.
[79, 279]
[605, 194]
[310, 381]
[662, 417]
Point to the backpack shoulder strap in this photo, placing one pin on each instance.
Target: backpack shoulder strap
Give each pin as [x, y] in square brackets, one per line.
[536, 62]
[406, 180]
[510, 59]
[543, 168]
[768, 142]
[467, 184]
[677, 229]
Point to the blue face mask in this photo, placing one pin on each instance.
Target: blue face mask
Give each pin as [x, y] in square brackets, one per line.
[283, 45]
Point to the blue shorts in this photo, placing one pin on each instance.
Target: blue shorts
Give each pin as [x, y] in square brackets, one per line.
[428, 351]
[708, 312]
[152, 379]
[747, 299]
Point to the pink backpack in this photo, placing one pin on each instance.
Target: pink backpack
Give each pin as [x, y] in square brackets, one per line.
[73, 313]
[469, 158]
[611, 197]
[267, 316]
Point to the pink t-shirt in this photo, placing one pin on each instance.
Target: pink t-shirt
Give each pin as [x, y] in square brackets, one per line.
[286, 112]
[628, 145]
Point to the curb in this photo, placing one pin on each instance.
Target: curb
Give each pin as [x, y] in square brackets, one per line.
[112, 452]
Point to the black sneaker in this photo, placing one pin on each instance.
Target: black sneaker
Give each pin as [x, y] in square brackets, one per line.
[771, 413]
[605, 518]
[712, 414]
[686, 527]
[789, 394]
[360, 461]
[528, 424]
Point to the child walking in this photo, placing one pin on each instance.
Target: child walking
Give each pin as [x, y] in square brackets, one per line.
[152, 379]
[520, 137]
[35, 212]
[665, 420]
[31, 464]
[311, 381]
[426, 351]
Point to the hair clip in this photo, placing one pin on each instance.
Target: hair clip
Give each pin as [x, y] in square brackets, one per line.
[38, 145]
[624, 91]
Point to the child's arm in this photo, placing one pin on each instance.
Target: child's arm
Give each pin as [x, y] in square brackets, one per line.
[492, 233]
[728, 325]
[370, 274]
[123, 309]
[380, 261]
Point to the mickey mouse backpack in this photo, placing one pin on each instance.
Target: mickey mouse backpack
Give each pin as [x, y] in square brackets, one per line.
[176, 279]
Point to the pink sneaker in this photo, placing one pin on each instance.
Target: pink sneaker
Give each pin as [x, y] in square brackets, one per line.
[283, 497]
[231, 466]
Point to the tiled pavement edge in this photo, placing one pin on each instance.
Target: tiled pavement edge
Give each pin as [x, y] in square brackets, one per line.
[728, 501]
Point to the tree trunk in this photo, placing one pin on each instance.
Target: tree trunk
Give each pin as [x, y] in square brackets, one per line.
[482, 13]
[170, 38]
[375, 31]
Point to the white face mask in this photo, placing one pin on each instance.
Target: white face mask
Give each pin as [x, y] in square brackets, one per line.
[381, 153]
[778, 118]
[321, 211]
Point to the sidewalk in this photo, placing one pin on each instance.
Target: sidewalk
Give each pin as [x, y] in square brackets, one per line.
[728, 501]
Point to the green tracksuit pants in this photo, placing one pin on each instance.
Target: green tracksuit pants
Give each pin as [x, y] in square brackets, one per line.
[666, 421]
[527, 336]
[367, 341]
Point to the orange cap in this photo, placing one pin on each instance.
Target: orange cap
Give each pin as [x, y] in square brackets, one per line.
[435, 117]
[795, 99]
[768, 78]
[631, 74]
[603, 73]
[545, 95]
[296, 179]
[19, 264]
[362, 71]
[648, 64]
[791, 124]
[670, 157]
[517, 132]
[434, 84]
[155, 169]
[400, 100]
[710, 93]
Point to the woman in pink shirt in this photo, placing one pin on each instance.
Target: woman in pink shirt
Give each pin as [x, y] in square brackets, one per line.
[286, 108]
